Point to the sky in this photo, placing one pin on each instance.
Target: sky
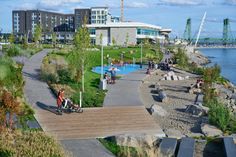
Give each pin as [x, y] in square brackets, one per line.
[165, 13]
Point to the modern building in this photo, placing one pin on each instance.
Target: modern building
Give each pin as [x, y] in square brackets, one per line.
[124, 33]
[25, 22]
[98, 20]
[82, 16]
[99, 15]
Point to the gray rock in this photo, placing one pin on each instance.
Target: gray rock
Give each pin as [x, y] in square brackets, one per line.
[197, 110]
[163, 96]
[158, 110]
[136, 140]
[168, 147]
[173, 133]
[210, 130]
[198, 135]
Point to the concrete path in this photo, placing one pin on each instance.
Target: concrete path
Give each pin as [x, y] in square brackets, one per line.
[37, 91]
[125, 92]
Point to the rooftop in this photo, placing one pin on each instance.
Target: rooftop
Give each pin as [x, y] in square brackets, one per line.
[124, 24]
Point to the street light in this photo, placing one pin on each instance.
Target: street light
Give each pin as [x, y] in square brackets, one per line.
[141, 62]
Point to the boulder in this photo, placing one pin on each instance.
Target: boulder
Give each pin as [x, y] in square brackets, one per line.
[158, 110]
[173, 133]
[195, 135]
[136, 140]
[197, 110]
[210, 130]
[163, 97]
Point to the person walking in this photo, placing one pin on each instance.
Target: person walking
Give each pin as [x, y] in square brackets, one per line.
[113, 75]
[60, 98]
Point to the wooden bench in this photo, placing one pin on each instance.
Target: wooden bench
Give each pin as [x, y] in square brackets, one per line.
[168, 147]
[229, 146]
[187, 147]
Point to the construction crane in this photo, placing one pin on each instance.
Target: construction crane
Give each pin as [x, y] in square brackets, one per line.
[122, 11]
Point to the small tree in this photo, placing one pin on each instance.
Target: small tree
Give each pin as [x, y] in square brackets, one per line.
[127, 39]
[78, 59]
[113, 41]
[25, 42]
[54, 39]
[37, 34]
[11, 38]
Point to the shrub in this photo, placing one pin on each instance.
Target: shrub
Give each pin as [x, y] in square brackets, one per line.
[29, 144]
[91, 98]
[13, 50]
[64, 76]
[49, 78]
[219, 115]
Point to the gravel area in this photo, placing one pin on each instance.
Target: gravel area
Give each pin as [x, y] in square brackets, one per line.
[178, 99]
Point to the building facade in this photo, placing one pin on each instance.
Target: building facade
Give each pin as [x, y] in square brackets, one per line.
[124, 33]
[98, 20]
[99, 15]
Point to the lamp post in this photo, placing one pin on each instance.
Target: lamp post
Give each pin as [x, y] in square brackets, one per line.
[141, 62]
[102, 63]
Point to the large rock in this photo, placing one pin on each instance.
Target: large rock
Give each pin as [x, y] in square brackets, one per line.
[197, 110]
[158, 110]
[210, 130]
[173, 133]
[136, 140]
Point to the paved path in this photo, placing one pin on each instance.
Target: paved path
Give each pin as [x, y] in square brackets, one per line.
[125, 92]
[37, 92]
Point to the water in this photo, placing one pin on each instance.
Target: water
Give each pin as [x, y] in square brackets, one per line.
[226, 59]
[122, 70]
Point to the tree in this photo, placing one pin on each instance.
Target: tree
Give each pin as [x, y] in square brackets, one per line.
[37, 34]
[127, 39]
[11, 38]
[113, 41]
[25, 42]
[54, 39]
[78, 58]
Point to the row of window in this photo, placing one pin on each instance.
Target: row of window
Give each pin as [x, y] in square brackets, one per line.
[150, 32]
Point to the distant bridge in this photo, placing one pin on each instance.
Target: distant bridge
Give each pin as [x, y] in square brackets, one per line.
[228, 38]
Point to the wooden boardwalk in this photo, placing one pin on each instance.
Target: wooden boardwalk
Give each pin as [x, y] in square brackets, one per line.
[98, 122]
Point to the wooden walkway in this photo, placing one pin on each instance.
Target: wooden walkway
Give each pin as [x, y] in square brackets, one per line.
[98, 122]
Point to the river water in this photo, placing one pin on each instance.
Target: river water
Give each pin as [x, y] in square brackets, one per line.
[226, 59]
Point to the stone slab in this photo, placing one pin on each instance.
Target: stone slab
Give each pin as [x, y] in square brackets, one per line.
[229, 146]
[187, 147]
[168, 147]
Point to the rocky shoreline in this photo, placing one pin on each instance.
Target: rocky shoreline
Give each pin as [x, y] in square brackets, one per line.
[180, 116]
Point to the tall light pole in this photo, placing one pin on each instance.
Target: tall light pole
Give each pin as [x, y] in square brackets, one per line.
[141, 62]
[102, 63]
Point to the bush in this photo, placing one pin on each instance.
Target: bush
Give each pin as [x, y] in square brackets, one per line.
[29, 144]
[13, 50]
[219, 115]
[49, 78]
[64, 76]
[91, 98]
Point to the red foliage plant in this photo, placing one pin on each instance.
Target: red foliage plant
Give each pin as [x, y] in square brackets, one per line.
[8, 108]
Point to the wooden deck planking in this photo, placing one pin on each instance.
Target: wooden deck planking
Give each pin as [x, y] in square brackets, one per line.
[98, 122]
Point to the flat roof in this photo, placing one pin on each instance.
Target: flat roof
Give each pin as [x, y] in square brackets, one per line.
[123, 24]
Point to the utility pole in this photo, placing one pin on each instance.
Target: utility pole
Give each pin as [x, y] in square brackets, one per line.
[141, 62]
[122, 11]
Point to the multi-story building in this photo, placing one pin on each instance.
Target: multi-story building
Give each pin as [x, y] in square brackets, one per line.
[99, 15]
[82, 16]
[99, 21]
[25, 22]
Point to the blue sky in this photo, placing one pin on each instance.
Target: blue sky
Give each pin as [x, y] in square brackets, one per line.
[166, 13]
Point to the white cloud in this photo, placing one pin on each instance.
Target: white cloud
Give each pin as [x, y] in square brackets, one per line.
[180, 2]
[56, 5]
[230, 2]
[137, 5]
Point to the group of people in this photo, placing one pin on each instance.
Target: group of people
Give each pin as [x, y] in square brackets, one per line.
[110, 79]
[151, 66]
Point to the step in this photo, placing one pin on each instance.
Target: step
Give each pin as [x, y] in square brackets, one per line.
[187, 147]
[168, 147]
[230, 147]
